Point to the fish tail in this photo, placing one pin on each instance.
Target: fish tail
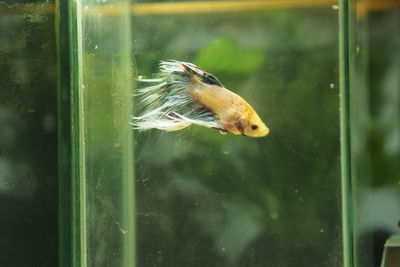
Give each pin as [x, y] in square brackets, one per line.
[167, 104]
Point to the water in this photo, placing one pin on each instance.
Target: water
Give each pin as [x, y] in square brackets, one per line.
[206, 199]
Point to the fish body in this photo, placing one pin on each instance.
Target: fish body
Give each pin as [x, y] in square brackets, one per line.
[186, 94]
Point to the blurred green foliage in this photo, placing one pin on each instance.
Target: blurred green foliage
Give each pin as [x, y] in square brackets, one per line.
[376, 133]
[223, 55]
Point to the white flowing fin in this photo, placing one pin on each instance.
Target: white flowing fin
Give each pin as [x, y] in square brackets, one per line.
[168, 105]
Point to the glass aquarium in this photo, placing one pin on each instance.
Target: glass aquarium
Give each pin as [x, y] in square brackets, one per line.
[79, 186]
[374, 82]
[207, 199]
[96, 104]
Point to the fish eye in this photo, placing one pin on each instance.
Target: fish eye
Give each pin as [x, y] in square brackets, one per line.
[254, 127]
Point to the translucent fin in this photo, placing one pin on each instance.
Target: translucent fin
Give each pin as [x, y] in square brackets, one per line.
[168, 105]
[151, 80]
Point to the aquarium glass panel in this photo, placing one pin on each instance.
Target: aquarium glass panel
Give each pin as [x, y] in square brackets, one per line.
[28, 135]
[375, 124]
[210, 199]
[101, 71]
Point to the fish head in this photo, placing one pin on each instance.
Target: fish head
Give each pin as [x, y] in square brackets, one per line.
[253, 126]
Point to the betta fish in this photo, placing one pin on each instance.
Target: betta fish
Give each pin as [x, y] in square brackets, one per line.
[186, 94]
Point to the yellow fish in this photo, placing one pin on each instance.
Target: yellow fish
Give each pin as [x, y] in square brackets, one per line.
[186, 94]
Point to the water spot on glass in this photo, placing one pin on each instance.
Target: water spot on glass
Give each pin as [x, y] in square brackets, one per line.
[159, 258]
[223, 249]
[226, 148]
[35, 18]
[123, 231]
[335, 7]
[49, 123]
[321, 230]
[96, 47]
[332, 85]
[45, 46]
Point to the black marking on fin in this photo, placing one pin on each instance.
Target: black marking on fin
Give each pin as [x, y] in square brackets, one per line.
[211, 79]
[187, 68]
[205, 76]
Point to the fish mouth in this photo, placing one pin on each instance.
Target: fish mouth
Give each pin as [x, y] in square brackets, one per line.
[266, 131]
[263, 133]
[260, 133]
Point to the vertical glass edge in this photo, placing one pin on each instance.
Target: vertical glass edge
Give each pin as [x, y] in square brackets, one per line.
[78, 117]
[70, 237]
[128, 182]
[345, 133]
[64, 135]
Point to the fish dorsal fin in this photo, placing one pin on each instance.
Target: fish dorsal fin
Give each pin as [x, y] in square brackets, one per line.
[168, 67]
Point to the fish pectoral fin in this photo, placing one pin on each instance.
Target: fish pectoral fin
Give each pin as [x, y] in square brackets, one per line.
[219, 129]
[176, 128]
